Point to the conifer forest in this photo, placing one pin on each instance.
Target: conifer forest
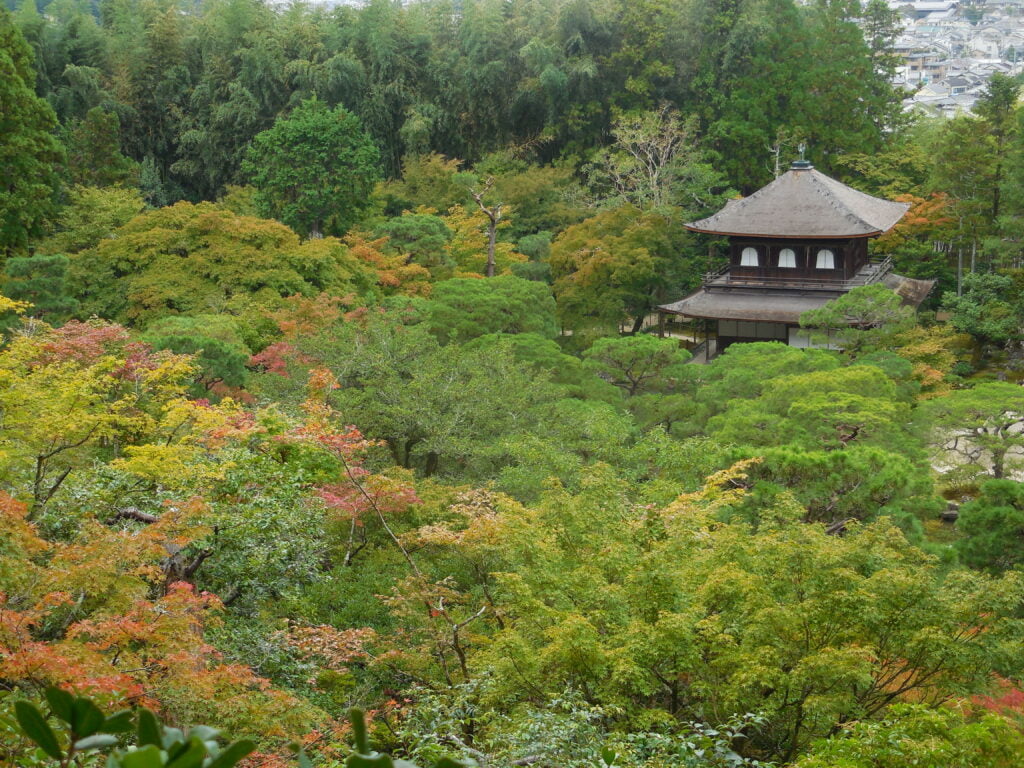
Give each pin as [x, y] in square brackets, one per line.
[479, 384]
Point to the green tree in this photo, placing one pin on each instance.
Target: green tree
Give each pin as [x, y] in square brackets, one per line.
[191, 259]
[677, 611]
[544, 355]
[427, 181]
[638, 166]
[539, 197]
[94, 151]
[997, 107]
[860, 482]
[423, 237]
[859, 318]
[30, 155]
[440, 409]
[213, 342]
[464, 308]
[826, 410]
[92, 214]
[638, 364]
[992, 527]
[611, 268]
[978, 427]
[914, 734]
[984, 310]
[848, 103]
[40, 280]
[963, 167]
[314, 169]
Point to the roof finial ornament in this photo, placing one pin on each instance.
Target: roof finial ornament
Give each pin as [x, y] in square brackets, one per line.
[802, 164]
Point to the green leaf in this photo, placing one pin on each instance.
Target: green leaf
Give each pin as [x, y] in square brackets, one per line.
[36, 728]
[447, 762]
[203, 732]
[191, 757]
[86, 718]
[359, 730]
[173, 738]
[357, 760]
[119, 722]
[232, 754]
[174, 748]
[96, 741]
[61, 703]
[149, 729]
[147, 757]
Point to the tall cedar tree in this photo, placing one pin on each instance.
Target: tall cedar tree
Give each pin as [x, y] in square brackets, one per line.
[30, 155]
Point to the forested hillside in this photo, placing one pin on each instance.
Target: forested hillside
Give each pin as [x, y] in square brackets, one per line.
[331, 376]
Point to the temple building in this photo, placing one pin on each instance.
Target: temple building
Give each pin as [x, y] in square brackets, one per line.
[794, 245]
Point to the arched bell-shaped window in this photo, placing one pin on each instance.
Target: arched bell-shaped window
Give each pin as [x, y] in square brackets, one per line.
[748, 257]
[826, 259]
[787, 258]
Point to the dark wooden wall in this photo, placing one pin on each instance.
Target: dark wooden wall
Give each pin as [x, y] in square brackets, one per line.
[851, 254]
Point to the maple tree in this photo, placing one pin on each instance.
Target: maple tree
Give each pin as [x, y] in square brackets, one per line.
[395, 273]
[85, 620]
[666, 608]
[191, 259]
[609, 268]
[70, 394]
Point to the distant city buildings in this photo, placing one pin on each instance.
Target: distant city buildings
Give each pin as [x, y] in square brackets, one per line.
[951, 49]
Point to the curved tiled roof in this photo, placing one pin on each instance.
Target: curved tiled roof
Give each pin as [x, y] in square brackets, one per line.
[804, 203]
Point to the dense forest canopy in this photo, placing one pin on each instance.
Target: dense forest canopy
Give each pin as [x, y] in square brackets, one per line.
[330, 376]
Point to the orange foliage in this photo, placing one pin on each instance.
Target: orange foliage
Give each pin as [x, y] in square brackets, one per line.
[112, 639]
[307, 315]
[927, 219]
[331, 648]
[395, 273]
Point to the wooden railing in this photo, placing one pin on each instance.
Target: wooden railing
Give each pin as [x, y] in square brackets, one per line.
[870, 273]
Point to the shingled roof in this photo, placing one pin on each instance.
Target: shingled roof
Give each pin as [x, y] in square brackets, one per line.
[804, 203]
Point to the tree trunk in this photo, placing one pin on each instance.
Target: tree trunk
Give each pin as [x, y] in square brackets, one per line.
[407, 457]
[999, 463]
[493, 214]
[492, 241]
[432, 461]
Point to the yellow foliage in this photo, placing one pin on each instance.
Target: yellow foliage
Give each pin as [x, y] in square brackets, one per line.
[933, 353]
[468, 246]
[10, 305]
[395, 275]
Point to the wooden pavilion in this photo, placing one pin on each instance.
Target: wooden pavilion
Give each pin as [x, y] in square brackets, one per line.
[794, 245]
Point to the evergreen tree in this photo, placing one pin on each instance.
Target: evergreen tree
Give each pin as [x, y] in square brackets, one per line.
[30, 155]
[315, 169]
[40, 280]
[94, 151]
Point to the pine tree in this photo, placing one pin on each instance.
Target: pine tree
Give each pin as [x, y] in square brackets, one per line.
[39, 280]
